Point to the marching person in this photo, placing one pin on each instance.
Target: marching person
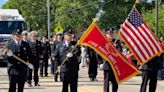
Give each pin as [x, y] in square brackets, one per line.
[25, 36]
[83, 56]
[36, 57]
[54, 39]
[108, 72]
[161, 62]
[92, 59]
[69, 68]
[46, 50]
[149, 73]
[55, 63]
[17, 71]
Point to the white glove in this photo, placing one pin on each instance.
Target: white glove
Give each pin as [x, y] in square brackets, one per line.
[69, 55]
[30, 66]
[9, 53]
[53, 58]
[101, 66]
[59, 67]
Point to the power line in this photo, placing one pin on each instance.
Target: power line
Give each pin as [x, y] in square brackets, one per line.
[76, 9]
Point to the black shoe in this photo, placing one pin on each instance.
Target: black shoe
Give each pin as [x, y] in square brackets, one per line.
[36, 84]
[91, 79]
[95, 79]
[46, 75]
[56, 80]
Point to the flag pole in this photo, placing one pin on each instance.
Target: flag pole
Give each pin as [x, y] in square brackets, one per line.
[75, 45]
[136, 2]
[71, 52]
[117, 37]
[58, 68]
[4, 51]
[156, 18]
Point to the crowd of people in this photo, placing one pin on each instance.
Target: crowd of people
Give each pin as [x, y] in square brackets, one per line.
[65, 58]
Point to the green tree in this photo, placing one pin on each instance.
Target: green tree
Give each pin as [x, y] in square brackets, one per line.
[150, 19]
[75, 14]
[33, 11]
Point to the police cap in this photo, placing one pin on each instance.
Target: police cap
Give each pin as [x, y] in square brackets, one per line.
[33, 33]
[25, 33]
[16, 31]
[68, 32]
[59, 33]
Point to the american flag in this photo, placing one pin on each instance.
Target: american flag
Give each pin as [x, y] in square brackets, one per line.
[139, 37]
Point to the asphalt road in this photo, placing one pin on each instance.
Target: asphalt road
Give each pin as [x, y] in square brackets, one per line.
[47, 84]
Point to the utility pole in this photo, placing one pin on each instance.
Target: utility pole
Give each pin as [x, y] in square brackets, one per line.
[156, 18]
[48, 18]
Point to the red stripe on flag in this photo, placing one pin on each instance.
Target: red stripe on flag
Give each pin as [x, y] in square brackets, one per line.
[138, 38]
[151, 48]
[145, 31]
[146, 37]
[139, 59]
[125, 30]
[159, 48]
[97, 41]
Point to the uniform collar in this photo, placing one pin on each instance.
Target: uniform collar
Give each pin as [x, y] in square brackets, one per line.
[33, 40]
[17, 42]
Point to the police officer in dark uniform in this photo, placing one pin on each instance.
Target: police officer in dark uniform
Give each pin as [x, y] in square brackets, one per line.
[108, 72]
[17, 70]
[25, 36]
[55, 62]
[92, 59]
[36, 57]
[149, 73]
[46, 50]
[69, 70]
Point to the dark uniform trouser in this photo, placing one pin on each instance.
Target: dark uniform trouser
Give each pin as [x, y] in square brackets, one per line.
[149, 75]
[36, 77]
[73, 84]
[13, 80]
[109, 76]
[56, 71]
[44, 66]
[52, 67]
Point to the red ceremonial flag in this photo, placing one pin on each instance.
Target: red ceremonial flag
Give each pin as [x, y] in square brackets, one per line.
[139, 37]
[94, 38]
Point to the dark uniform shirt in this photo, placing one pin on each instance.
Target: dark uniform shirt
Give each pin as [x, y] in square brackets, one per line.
[46, 49]
[36, 50]
[71, 66]
[22, 51]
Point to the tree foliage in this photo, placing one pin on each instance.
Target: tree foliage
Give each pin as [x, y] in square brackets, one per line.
[150, 19]
[75, 14]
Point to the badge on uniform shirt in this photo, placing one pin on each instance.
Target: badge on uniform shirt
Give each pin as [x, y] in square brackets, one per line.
[18, 54]
[24, 48]
[64, 44]
[72, 46]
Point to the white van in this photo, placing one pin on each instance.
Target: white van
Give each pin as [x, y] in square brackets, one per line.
[10, 19]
